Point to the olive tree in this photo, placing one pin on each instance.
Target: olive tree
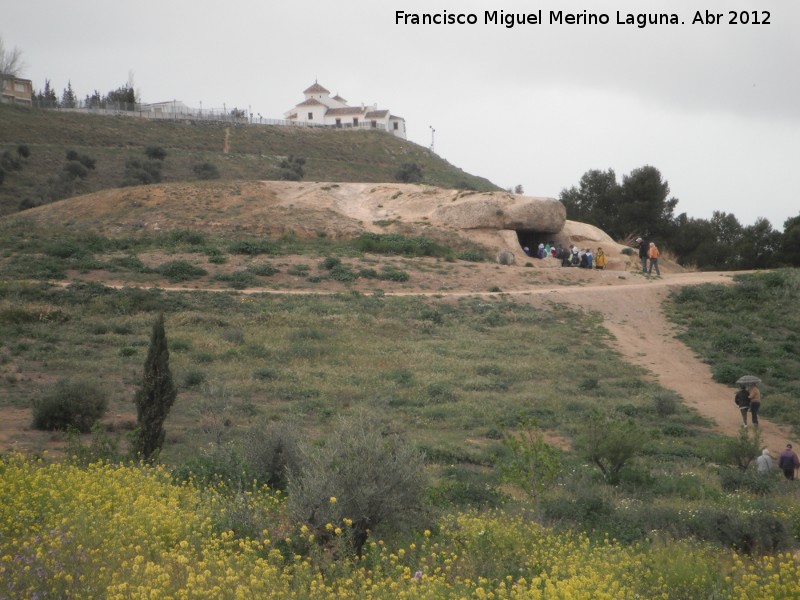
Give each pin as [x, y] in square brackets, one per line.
[610, 443]
[360, 477]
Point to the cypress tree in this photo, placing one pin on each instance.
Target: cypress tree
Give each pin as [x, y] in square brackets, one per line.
[155, 396]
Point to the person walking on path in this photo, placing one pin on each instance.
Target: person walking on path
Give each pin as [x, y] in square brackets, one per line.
[742, 400]
[643, 253]
[788, 462]
[764, 462]
[755, 402]
[653, 255]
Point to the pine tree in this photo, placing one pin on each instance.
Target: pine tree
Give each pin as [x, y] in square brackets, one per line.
[155, 396]
[68, 98]
[47, 98]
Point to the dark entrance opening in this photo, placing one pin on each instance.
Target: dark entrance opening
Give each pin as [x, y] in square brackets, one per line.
[532, 239]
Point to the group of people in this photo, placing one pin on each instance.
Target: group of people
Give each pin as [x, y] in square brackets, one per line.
[648, 252]
[571, 257]
[748, 399]
[788, 462]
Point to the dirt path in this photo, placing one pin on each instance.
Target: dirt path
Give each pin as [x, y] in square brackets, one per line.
[645, 337]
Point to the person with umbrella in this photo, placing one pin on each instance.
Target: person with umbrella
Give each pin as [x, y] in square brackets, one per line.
[742, 399]
[753, 396]
[755, 402]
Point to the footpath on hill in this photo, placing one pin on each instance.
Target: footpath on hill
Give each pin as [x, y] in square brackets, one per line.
[644, 336]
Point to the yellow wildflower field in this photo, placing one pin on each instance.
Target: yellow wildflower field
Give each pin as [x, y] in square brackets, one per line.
[129, 531]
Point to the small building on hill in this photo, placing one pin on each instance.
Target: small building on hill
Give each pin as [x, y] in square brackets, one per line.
[14, 90]
[321, 109]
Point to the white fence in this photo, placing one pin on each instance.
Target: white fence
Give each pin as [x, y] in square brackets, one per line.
[173, 112]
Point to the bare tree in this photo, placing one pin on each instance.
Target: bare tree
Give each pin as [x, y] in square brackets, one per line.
[11, 64]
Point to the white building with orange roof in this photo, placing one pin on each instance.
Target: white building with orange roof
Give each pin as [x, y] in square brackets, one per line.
[320, 109]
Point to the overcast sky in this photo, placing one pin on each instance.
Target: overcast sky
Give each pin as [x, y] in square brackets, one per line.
[715, 107]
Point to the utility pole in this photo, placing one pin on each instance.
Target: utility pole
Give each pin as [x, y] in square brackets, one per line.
[433, 131]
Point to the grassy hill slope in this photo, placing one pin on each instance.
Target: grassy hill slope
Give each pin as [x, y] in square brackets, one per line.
[253, 153]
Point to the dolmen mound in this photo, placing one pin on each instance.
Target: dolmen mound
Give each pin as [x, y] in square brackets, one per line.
[502, 222]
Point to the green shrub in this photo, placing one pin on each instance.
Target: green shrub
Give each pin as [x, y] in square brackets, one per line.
[155, 153]
[749, 533]
[122, 329]
[187, 236]
[75, 170]
[265, 374]
[234, 335]
[299, 270]
[726, 373]
[271, 451]
[409, 173]
[101, 448]
[750, 480]
[238, 280]
[395, 244]
[736, 344]
[206, 170]
[254, 247]
[218, 464]
[193, 378]
[666, 404]
[180, 345]
[610, 443]
[466, 487]
[180, 270]
[741, 450]
[361, 472]
[582, 504]
[343, 273]
[472, 256]
[130, 263]
[392, 274]
[77, 403]
[262, 269]
[329, 262]
[441, 391]
[141, 172]
[291, 168]
[64, 249]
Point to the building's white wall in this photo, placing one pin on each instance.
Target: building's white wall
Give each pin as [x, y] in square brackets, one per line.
[319, 116]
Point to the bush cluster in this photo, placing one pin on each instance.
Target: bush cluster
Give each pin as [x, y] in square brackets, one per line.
[76, 403]
[180, 270]
[395, 244]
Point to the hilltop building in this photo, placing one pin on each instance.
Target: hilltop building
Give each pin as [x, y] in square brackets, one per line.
[15, 90]
[320, 109]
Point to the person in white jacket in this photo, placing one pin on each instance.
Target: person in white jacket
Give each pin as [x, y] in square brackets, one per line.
[764, 462]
